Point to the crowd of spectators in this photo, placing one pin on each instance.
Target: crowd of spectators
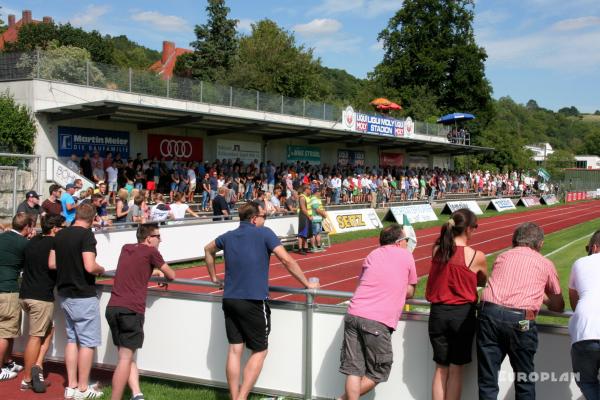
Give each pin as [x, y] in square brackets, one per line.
[200, 182]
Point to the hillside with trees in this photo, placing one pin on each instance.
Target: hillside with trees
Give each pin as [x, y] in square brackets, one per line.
[432, 65]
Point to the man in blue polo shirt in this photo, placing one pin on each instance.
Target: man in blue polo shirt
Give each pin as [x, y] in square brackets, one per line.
[69, 208]
[247, 251]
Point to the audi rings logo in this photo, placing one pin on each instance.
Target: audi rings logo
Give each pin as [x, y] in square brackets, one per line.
[176, 148]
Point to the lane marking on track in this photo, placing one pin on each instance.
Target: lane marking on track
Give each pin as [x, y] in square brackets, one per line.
[567, 211]
[421, 259]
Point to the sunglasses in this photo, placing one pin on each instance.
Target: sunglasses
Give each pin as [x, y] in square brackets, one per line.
[155, 236]
[263, 216]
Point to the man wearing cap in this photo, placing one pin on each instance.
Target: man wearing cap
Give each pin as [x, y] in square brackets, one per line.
[68, 203]
[31, 205]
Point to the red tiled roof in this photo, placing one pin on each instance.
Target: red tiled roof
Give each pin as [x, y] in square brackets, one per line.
[165, 70]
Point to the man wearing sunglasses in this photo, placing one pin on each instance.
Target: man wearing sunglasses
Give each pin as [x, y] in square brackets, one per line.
[247, 251]
[127, 305]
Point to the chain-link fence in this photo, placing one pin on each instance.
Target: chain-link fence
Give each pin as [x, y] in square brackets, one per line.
[67, 68]
[19, 173]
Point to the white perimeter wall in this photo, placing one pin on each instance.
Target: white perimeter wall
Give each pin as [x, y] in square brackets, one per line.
[185, 337]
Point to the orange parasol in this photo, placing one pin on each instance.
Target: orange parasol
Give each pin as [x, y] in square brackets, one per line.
[380, 101]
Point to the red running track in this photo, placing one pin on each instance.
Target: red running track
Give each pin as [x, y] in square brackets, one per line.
[339, 267]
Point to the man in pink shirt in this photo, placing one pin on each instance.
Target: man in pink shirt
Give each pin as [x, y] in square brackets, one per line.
[388, 278]
[522, 279]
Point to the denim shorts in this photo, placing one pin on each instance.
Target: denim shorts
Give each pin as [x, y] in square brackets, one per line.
[82, 320]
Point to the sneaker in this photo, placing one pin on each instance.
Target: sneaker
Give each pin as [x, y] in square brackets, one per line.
[13, 367]
[90, 393]
[70, 392]
[139, 396]
[25, 386]
[37, 379]
[5, 374]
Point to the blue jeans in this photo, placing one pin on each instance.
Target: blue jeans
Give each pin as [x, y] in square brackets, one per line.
[336, 196]
[205, 197]
[500, 335]
[585, 356]
[249, 188]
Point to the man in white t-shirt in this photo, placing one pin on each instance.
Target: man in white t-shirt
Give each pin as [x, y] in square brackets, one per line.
[112, 174]
[584, 326]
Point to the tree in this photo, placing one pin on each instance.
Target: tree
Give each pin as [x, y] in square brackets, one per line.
[17, 126]
[430, 45]
[597, 112]
[270, 61]
[40, 36]
[557, 162]
[130, 54]
[215, 45]
[569, 111]
[63, 63]
[532, 105]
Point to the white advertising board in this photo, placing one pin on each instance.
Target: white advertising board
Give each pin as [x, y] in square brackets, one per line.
[452, 206]
[341, 221]
[180, 242]
[502, 204]
[529, 201]
[245, 151]
[549, 199]
[414, 213]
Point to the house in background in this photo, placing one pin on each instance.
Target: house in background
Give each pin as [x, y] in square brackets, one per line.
[542, 151]
[164, 67]
[12, 32]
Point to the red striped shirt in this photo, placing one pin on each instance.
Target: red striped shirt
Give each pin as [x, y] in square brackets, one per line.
[520, 278]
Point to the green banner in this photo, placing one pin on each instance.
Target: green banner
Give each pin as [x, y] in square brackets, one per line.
[304, 153]
[544, 174]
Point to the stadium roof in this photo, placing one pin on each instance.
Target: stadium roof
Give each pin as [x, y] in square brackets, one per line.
[148, 117]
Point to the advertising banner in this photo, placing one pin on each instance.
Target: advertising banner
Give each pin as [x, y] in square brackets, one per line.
[183, 148]
[549, 199]
[529, 201]
[245, 151]
[391, 159]
[304, 153]
[414, 213]
[452, 206]
[502, 204]
[340, 221]
[377, 124]
[351, 157]
[81, 140]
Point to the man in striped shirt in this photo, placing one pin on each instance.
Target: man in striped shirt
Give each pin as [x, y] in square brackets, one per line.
[522, 279]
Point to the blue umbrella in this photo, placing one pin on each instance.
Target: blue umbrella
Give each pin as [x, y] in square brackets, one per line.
[452, 118]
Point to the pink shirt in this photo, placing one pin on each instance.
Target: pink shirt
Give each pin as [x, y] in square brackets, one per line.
[381, 291]
[520, 278]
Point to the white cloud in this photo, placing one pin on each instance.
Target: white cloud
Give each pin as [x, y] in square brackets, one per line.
[573, 24]
[548, 50]
[165, 23]
[320, 26]
[245, 25]
[90, 16]
[338, 45]
[366, 8]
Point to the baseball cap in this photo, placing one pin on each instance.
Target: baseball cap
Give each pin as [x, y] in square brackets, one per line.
[32, 193]
[70, 186]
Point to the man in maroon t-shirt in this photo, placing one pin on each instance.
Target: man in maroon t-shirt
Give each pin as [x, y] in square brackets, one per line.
[127, 304]
[52, 206]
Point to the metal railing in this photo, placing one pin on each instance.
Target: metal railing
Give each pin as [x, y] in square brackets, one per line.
[48, 65]
[309, 307]
[19, 173]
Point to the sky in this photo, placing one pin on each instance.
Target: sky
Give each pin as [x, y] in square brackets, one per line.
[546, 50]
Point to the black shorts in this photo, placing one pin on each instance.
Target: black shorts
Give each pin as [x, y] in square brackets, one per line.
[126, 327]
[248, 321]
[451, 332]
